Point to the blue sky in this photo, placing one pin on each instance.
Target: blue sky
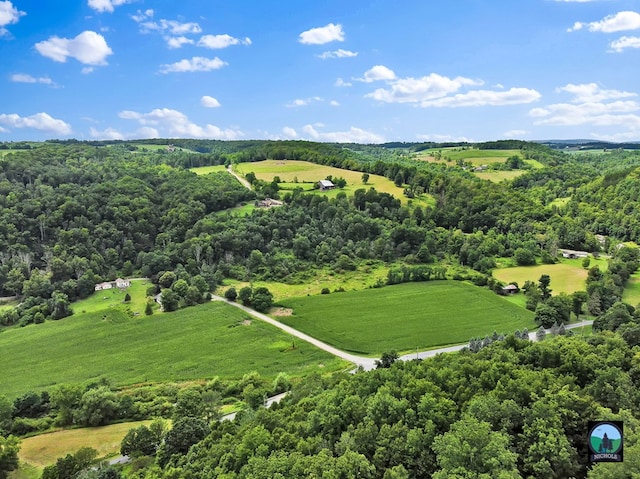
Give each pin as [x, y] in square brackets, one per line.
[332, 70]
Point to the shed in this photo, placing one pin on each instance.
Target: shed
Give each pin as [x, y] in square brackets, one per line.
[325, 185]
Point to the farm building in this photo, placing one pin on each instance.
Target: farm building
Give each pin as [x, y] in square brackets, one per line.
[103, 286]
[268, 203]
[569, 253]
[118, 283]
[510, 289]
[325, 185]
[122, 283]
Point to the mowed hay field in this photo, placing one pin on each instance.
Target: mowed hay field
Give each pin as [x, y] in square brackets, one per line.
[43, 450]
[405, 317]
[305, 172]
[205, 170]
[631, 294]
[213, 339]
[566, 277]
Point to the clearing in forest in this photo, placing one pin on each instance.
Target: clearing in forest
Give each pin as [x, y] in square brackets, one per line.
[405, 317]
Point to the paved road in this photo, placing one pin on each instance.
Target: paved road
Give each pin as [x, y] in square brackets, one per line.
[360, 361]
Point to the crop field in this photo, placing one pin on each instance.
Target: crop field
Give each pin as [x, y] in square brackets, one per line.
[43, 450]
[566, 277]
[292, 171]
[212, 339]
[205, 170]
[404, 317]
[114, 298]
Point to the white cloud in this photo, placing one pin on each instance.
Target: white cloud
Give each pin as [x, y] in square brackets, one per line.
[625, 42]
[26, 78]
[334, 103]
[322, 35]
[174, 123]
[591, 92]
[107, 134]
[377, 73]
[619, 22]
[513, 96]
[89, 48]
[8, 15]
[177, 42]
[290, 132]
[169, 26]
[195, 64]
[304, 101]
[221, 41]
[417, 90]
[209, 102]
[106, 5]
[590, 105]
[142, 16]
[341, 82]
[353, 135]
[340, 53]
[40, 121]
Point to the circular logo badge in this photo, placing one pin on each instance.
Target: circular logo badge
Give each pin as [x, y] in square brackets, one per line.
[605, 438]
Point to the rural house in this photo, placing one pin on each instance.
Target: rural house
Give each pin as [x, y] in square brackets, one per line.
[122, 283]
[103, 286]
[569, 253]
[325, 185]
[118, 283]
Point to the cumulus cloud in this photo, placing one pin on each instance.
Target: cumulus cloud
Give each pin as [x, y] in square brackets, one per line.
[416, 90]
[40, 121]
[26, 78]
[164, 26]
[174, 123]
[221, 41]
[195, 64]
[8, 15]
[209, 102]
[339, 53]
[322, 35]
[177, 42]
[621, 21]
[377, 73]
[590, 105]
[107, 134]
[106, 5]
[623, 43]
[290, 132]
[352, 135]
[141, 16]
[304, 101]
[341, 82]
[89, 48]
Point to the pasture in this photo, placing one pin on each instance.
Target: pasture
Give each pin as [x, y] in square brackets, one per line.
[566, 277]
[205, 170]
[497, 176]
[43, 450]
[631, 294]
[404, 317]
[303, 173]
[213, 339]
[114, 298]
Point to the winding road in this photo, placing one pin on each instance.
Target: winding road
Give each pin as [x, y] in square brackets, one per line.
[361, 361]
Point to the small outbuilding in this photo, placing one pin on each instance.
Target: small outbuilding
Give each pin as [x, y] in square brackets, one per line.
[569, 253]
[510, 289]
[325, 185]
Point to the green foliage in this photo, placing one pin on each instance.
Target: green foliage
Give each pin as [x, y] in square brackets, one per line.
[98, 406]
[9, 448]
[231, 294]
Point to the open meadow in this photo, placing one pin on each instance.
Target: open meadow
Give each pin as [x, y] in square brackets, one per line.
[205, 170]
[631, 294]
[213, 339]
[114, 298]
[566, 277]
[43, 450]
[306, 174]
[404, 317]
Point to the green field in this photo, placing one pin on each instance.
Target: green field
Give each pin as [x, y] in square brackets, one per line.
[404, 317]
[631, 294]
[43, 450]
[205, 170]
[198, 342]
[499, 175]
[566, 277]
[472, 155]
[114, 298]
[292, 171]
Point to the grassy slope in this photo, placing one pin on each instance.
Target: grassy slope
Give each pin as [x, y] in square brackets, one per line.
[303, 171]
[198, 342]
[205, 170]
[404, 317]
[566, 277]
[631, 293]
[114, 298]
[43, 450]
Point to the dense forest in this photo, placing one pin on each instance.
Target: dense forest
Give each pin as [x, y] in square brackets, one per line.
[73, 214]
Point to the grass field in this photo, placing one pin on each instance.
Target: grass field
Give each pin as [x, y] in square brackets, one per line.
[205, 170]
[473, 156]
[631, 294]
[404, 317]
[291, 171]
[114, 298]
[566, 277]
[498, 175]
[43, 450]
[313, 282]
[198, 342]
